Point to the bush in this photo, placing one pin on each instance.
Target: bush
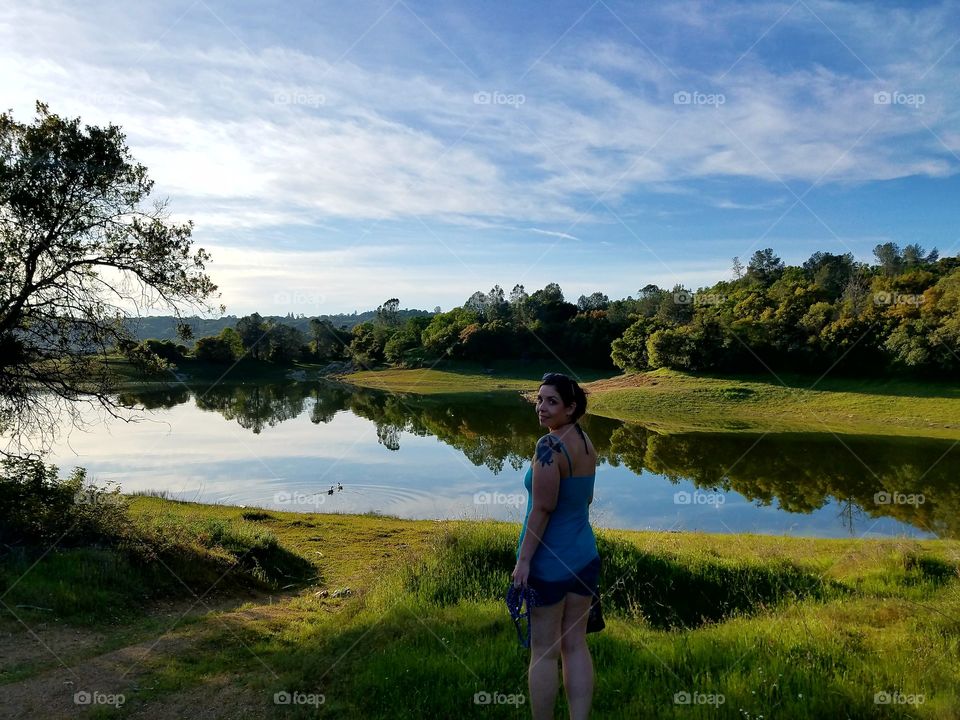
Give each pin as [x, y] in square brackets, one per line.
[214, 349]
[101, 562]
[37, 507]
[165, 349]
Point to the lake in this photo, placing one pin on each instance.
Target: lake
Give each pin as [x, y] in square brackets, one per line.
[325, 447]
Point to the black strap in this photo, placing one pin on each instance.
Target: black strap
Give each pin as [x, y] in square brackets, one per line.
[580, 430]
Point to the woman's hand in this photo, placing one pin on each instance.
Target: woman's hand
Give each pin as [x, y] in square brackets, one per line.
[520, 573]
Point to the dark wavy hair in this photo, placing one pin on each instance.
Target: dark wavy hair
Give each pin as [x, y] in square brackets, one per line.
[570, 392]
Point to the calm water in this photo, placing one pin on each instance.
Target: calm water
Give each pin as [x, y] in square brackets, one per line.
[284, 446]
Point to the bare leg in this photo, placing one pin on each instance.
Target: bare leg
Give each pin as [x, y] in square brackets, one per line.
[577, 663]
[544, 653]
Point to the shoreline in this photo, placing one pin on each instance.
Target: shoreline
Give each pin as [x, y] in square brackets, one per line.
[638, 534]
[670, 402]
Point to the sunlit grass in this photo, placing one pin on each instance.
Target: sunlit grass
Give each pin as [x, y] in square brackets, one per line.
[679, 402]
[466, 377]
[776, 626]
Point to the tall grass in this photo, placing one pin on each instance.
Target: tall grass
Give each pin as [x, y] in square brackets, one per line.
[769, 637]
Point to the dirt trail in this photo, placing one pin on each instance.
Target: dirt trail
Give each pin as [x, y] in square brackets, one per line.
[72, 689]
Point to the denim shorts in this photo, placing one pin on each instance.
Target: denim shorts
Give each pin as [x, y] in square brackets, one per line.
[585, 581]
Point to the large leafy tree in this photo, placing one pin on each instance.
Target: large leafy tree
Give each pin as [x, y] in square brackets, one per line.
[79, 252]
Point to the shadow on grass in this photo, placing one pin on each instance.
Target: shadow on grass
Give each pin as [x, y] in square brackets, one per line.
[461, 661]
[533, 370]
[896, 386]
[664, 591]
[95, 585]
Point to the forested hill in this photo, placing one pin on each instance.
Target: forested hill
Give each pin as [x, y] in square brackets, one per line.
[830, 314]
[164, 327]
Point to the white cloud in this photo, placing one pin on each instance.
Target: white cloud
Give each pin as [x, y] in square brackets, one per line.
[284, 135]
[351, 141]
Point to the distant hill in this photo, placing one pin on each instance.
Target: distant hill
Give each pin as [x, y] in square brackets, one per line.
[164, 327]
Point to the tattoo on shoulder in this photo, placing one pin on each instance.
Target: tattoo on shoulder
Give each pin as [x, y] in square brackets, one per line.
[547, 446]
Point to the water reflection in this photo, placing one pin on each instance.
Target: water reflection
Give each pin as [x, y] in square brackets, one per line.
[862, 478]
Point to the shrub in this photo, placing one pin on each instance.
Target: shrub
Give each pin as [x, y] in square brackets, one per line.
[39, 507]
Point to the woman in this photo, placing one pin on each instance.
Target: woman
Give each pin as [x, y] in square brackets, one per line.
[557, 553]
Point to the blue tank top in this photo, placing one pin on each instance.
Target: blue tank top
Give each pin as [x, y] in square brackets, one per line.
[568, 543]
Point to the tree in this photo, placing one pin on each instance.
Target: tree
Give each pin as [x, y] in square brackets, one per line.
[325, 341]
[497, 307]
[629, 352]
[737, 268]
[285, 343]
[214, 349]
[401, 345]
[163, 349]
[367, 343]
[477, 303]
[79, 251]
[830, 273]
[518, 304]
[916, 255]
[888, 258]
[389, 313]
[595, 301]
[764, 267]
[232, 338]
[253, 333]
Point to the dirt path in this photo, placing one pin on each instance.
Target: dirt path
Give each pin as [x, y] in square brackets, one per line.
[74, 665]
[84, 677]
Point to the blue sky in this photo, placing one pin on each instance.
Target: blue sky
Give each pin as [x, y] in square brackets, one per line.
[334, 155]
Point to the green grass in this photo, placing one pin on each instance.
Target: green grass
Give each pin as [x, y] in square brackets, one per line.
[665, 400]
[780, 627]
[671, 401]
[163, 554]
[674, 402]
[463, 377]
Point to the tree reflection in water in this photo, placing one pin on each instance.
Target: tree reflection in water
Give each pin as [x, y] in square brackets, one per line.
[913, 480]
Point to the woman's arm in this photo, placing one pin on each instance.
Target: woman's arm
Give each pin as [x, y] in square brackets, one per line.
[545, 489]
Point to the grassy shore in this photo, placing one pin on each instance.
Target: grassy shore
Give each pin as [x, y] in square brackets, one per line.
[665, 400]
[679, 402]
[671, 401]
[405, 619]
[462, 377]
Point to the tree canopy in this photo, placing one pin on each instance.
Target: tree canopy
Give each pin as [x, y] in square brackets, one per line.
[79, 251]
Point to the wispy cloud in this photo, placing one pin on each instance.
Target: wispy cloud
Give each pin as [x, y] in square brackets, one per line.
[250, 123]
[552, 233]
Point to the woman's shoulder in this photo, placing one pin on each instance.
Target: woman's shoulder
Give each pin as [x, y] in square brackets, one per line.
[548, 444]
